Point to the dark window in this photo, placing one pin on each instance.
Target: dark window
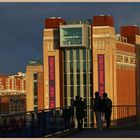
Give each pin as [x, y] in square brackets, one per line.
[35, 88]
[71, 54]
[78, 79]
[35, 108]
[85, 91]
[84, 66]
[84, 54]
[90, 62]
[77, 54]
[35, 102]
[91, 91]
[71, 91]
[65, 91]
[78, 90]
[78, 66]
[71, 67]
[35, 76]
[71, 79]
[65, 79]
[84, 79]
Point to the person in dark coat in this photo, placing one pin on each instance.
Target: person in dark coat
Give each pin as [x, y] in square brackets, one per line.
[107, 104]
[79, 104]
[98, 108]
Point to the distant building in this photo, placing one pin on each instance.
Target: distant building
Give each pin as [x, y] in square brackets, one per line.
[12, 93]
[34, 86]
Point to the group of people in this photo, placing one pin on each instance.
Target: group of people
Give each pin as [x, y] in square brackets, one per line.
[102, 106]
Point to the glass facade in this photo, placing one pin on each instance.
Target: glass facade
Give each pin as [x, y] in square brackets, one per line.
[71, 36]
[77, 64]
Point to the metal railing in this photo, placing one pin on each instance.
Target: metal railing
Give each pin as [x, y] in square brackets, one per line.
[52, 121]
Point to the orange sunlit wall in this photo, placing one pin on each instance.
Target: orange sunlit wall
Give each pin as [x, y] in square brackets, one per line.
[40, 91]
[126, 86]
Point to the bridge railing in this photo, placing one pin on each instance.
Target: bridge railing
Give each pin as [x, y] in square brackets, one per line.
[52, 121]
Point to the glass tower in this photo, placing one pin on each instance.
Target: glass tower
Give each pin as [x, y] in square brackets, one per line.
[75, 41]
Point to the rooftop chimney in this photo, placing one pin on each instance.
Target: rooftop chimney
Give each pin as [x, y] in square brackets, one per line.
[129, 32]
[103, 20]
[53, 22]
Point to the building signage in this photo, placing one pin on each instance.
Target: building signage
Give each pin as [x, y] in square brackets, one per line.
[71, 36]
[52, 81]
[125, 59]
[101, 74]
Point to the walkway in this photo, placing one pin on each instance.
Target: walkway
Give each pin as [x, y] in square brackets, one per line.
[92, 133]
[123, 132]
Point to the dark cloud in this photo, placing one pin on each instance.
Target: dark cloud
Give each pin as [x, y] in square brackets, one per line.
[21, 26]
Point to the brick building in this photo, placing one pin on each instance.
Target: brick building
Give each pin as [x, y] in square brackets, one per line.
[12, 93]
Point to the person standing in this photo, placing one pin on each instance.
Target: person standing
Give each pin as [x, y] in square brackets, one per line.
[107, 109]
[97, 107]
[79, 104]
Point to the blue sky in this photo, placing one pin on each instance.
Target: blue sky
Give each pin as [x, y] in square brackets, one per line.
[22, 24]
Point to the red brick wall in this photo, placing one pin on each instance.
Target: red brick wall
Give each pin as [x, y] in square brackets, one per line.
[125, 47]
[126, 87]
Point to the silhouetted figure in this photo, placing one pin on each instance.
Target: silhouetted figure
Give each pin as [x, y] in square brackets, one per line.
[107, 109]
[79, 104]
[67, 117]
[98, 108]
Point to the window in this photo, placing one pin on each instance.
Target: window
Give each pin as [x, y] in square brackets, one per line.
[35, 102]
[84, 66]
[71, 54]
[85, 91]
[84, 79]
[78, 66]
[71, 91]
[71, 36]
[84, 54]
[71, 67]
[77, 54]
[78, 79]
[65, 91]
[65, 79]
[35, 88]
[35, 76]
[78, 90]
[71, 79]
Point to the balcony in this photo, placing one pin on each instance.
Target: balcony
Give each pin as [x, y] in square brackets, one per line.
[58, 123]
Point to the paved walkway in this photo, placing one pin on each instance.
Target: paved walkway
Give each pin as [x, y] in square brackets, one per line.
[92, 133]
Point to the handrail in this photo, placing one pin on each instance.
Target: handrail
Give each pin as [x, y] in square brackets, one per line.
[50, 121]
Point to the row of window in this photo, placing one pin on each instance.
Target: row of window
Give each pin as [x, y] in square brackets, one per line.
[79, 66]
[76, 79]
[81, 54]
[84, 88]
